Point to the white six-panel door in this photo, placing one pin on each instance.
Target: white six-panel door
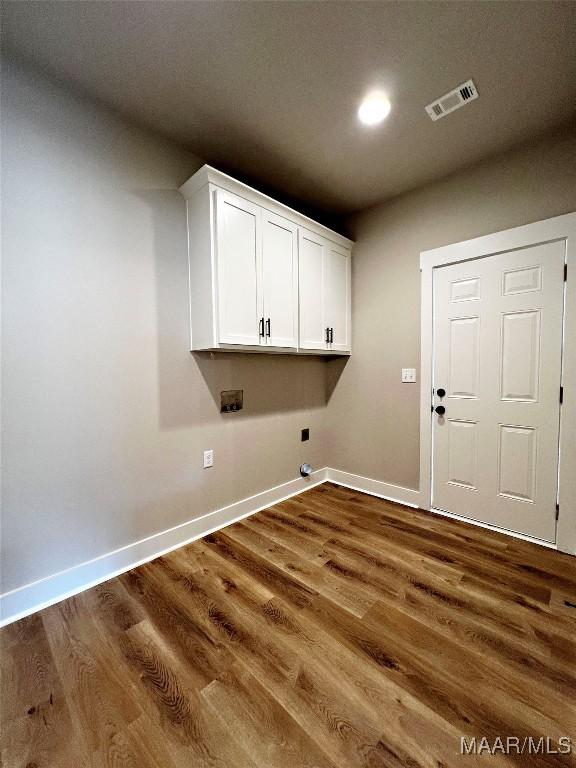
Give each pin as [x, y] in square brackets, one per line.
[240, 305]
[280, 280]
[497, 354]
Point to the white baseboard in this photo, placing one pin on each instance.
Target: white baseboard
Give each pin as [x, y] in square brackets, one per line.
[386, 491]
[30, 598]
[40, 594]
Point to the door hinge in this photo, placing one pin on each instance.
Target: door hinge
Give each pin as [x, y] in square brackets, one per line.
[565, 272]
[561, 395]
[557, 510]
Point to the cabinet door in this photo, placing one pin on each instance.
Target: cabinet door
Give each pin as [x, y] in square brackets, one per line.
[311, 291]
[238, 232]
[337, 296]
[280, 280]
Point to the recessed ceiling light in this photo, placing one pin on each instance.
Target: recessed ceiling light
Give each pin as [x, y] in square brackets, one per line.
[374, 109]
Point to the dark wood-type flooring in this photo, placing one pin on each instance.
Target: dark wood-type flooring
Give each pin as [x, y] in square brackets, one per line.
[332, 630]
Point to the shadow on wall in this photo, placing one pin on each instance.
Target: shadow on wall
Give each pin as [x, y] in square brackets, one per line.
[189, 384]
[271, 383]
[334, 369]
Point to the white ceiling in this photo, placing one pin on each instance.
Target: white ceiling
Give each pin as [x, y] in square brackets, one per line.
[269, 90]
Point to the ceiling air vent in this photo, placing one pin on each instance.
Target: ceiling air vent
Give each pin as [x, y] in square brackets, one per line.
[453, 100]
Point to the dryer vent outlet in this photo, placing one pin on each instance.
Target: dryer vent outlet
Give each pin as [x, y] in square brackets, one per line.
[306, 470]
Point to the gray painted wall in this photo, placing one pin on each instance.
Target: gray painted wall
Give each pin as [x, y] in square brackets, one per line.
[373, 418]
[105, 411]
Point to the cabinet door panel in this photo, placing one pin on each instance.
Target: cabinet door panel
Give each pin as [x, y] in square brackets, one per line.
[238, 295]
[280, 280]
[311, 291]
[337, 296]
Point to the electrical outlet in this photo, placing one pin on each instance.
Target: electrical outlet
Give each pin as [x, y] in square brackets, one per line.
[408, 375]
[208, 459]
[306, 434]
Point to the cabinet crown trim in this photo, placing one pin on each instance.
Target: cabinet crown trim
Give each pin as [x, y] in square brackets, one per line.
[208, 175]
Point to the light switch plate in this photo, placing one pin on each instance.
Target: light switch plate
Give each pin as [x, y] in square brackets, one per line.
[408, 375]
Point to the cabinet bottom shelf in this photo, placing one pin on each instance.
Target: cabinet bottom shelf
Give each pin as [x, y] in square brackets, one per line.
[271, 350]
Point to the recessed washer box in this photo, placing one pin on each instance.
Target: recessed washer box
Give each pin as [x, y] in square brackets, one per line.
[231, 400]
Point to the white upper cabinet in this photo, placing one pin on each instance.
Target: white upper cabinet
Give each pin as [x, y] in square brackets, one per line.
[238, 266]
[313, 330]
[337, 293]
[280, 280]
[263, 278]
[325, 290]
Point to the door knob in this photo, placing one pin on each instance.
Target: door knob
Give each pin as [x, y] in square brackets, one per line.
[440, 392]
[440, 410]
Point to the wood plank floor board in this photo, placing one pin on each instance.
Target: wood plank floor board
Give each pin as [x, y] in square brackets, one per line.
[320, 579]
[454, 555]
[333, 630]
[303, 544]
[411, 669]
[179, 625]
[490, 682]
[502, 556]
[195, 737]
[269, 733]
[425, 595]
[315, 691]
[35, 722]
[227, 620]
[259, 638]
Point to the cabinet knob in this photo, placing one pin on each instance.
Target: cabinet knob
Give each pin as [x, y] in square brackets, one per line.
[440, 392]
[440, 410]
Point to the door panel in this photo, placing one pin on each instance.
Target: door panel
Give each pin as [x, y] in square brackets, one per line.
[465, 290]
[280, 280]
[522, 280]
[311, 291]
[463, 455]
[520, 355]
[239, 300]
[337, 296]
[517, 462]
[464, 363]
[497, 352]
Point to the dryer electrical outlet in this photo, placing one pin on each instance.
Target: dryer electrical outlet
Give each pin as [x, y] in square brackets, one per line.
[408, 375]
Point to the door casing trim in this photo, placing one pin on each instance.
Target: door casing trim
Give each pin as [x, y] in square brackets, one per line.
[549, 230]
